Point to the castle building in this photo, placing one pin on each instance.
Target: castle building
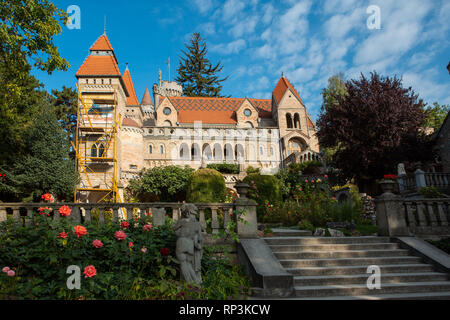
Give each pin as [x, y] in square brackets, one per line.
[119, 136]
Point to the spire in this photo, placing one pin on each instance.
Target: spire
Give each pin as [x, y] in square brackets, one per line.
[104, 27]
[147, 100]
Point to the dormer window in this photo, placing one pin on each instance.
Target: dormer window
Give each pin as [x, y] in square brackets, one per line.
[167, 111]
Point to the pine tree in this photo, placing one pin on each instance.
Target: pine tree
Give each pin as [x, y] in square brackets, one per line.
[196, 74]
[66, 104]
[45, 165]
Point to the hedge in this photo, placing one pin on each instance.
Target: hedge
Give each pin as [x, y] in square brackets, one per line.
[205, 186]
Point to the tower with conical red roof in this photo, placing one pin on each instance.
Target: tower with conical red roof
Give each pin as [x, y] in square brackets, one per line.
[109, 125]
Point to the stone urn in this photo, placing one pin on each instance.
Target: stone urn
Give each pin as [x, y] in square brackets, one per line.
[387, 185]
[242, 189]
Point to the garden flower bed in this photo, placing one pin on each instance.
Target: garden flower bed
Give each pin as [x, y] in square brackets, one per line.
[117, 260]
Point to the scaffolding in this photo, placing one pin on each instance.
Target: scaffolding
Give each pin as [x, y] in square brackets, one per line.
[96, 148]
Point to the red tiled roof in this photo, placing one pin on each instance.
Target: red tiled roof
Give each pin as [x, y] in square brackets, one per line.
[281, 88]
[215, 110]
[310, 124]
[102, 44]
[132, 98]
[99, 65]
[127, 122]
[147, 99]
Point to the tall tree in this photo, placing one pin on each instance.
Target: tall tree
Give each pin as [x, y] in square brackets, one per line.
[27, 29]
[375, 126]
[66, 107]
[196, 74]
[45, 165]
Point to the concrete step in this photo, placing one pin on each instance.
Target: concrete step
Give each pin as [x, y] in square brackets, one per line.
[298, 263]
[334, 247]
[324, 240]
[340, 254]
[291, 233]
[362, 279]
[444, 295]
[351, 270]
[361, 290]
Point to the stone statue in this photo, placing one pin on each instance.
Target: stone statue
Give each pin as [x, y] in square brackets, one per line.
[189, 250]
[401, 170]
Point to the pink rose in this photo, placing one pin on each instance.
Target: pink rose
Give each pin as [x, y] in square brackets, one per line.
[6, 269]
[120, 235]
[125, 225]
[90, 272]
[147, 227]
[97, 244]
[144, 250]
[11, 273]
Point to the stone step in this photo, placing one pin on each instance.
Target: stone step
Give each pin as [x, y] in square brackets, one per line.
[362, 278]
[444, 295]
[351, 270]
[360, 290]
[297, 263]
[340, 254]
[334, 247]
[291, 233]
[324, 240]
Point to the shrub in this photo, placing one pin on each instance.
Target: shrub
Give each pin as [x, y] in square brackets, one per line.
[206, 185]
[344, 212]
[307, 167]
[167, 184]
[251, 170]
[430, 192]
[264, 189]
[225, 168]
[354, 192]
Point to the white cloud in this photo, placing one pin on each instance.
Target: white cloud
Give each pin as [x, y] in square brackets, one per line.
[203, 6]
[230, 48]
[208, 28]
[231, 8]
[428, 89]
[245, 26]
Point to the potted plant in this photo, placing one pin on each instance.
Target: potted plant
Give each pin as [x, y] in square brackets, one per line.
[388, 183]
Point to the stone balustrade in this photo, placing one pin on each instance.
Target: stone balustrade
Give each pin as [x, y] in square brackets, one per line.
[398, 216]
[420, 179]
[212, 216]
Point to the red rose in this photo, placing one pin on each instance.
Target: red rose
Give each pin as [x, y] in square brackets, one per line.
[164, 252]
[97, 244]
[131, 245]
[65, 211]
[325, 176]
[80, 231]
[120, 235]
[63, 235]
[47, 197]
[390, 176]
[90, 272]
[125, 225]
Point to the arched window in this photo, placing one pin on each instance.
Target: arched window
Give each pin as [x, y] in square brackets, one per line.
[207, 154]
[239, 153]
[217, 152]
[272, 152]
[94, 151]
[161, 149]
[296, 145]
[184, 152]
[195, 152]
[150, 149]
[167, 123]
[289, 121]
[297, 121]
[228, 152]
[261, 151]
[101, 150]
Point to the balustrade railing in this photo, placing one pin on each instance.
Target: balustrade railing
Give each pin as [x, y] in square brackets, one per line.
[212, 216]
[420, 179]
[426, 217]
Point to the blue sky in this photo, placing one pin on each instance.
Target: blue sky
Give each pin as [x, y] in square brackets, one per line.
[257, 40]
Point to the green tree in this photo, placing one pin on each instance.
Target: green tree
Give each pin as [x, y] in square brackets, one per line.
[66, 107]
[27, 29]
[196, 73]
[45, 165]
[336, 88]
[435, 115]
[165, 184]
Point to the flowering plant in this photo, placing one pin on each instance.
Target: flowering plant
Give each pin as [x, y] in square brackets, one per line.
[390, 177]
[47, 197]
[65, 211]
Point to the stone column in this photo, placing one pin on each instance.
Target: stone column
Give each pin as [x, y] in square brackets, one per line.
[159, 216]
[420, 179]
[389, 216]
[247, 224]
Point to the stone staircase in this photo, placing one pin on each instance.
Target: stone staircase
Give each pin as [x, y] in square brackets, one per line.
[336, 268]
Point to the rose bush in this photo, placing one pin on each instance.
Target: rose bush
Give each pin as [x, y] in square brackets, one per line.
[39, 254]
